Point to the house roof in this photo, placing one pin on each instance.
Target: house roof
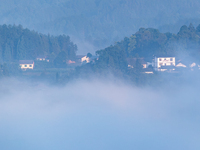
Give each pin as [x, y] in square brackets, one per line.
[186, 62]
[181, 65]
[26, 61]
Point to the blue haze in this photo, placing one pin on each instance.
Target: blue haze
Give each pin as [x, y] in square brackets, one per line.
[105, 115]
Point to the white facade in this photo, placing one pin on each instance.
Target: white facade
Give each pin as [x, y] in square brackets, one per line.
[85, 59]
[163, 61]
[40, 59]
[26, 64]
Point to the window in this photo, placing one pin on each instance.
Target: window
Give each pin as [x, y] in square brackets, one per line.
[171, 59]
[25, 65]
[160, 59]
[30, 65]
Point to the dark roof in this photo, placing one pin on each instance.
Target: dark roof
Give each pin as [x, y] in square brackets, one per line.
[26, 61]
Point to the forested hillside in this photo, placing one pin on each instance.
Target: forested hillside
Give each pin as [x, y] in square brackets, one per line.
[146, 43]
[99, 22]
[17, 43]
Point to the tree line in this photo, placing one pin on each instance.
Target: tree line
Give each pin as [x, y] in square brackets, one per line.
[17, 43]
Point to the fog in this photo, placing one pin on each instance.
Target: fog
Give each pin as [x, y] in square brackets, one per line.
[98, 114]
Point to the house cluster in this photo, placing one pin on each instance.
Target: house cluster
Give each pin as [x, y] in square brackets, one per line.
[163, 64]
[158, 63]
[80, 59]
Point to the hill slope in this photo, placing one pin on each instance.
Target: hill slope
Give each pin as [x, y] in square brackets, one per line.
[98, 22]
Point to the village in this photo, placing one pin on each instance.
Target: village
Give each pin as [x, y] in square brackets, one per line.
[167, 64]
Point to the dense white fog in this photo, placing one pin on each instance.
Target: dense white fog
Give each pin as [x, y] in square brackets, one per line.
[98, 115]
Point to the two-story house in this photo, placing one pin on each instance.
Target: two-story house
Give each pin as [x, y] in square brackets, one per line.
[163, 63]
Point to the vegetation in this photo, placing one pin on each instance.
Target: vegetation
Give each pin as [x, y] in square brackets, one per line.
[100, 22]
[145, 43]
[17, 43]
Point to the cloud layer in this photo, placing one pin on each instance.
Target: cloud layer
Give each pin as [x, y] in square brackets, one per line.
[97, 114]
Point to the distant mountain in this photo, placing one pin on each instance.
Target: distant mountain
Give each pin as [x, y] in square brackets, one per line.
[95, 24]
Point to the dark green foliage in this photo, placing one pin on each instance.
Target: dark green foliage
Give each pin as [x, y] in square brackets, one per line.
[89, 55]
[149, 42]
[145, 43]
[60, 60]
[17, 43]
[99, 21]
[113, 58]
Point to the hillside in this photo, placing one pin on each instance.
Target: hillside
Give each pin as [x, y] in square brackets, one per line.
[144, 44]
[98, 23]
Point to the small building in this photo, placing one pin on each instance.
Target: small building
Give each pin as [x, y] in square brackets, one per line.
[82, 58]
[85, 59]
[181, 65]
[161, 61]
[167, 68]
[42, 58]
[71, 62]
[26, 64]
[148, 70]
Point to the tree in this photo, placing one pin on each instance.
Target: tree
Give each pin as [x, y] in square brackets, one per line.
[60, 60]
[89, 55]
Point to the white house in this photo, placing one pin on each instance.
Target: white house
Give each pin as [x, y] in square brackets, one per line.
[85, 59]
[26, 64]
[42, 58]
[160, 62]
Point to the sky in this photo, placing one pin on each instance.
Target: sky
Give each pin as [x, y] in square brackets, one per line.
[98, 114]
